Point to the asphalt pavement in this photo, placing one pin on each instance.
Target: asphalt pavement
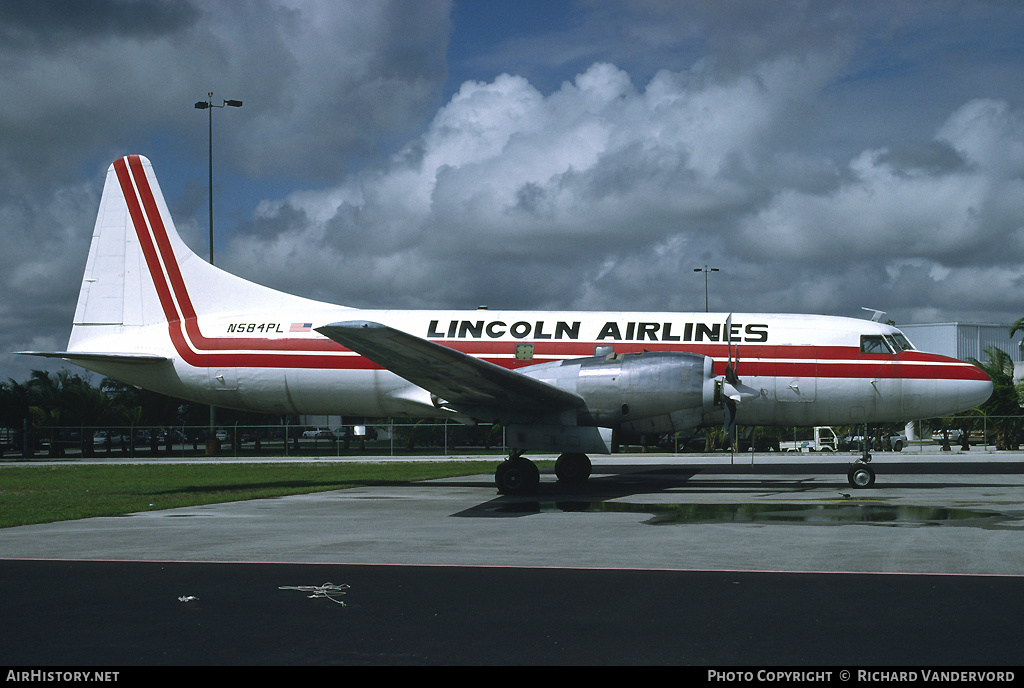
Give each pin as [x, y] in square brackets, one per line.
[678, 560]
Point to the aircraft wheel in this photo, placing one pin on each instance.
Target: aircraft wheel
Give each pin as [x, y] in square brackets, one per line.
[517, 476]
[573, 468]
[861, 476]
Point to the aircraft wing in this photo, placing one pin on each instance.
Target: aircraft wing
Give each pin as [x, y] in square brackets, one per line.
[464, 382]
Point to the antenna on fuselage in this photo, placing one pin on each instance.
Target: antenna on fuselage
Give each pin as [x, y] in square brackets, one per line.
[877, 317]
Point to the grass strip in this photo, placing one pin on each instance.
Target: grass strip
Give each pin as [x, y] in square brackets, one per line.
[44, 494]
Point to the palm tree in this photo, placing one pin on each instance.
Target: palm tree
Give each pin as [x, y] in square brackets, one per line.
[61, 401]
[14, 411]
[1004, 403]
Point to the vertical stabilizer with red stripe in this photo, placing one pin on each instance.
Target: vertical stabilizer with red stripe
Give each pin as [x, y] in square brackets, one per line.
[140, 273]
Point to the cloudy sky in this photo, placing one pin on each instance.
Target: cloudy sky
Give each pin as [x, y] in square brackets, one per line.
[825, 156]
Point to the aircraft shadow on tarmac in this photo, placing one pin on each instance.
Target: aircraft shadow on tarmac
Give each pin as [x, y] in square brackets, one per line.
[587, 496]
[600, 492]
[838, 503]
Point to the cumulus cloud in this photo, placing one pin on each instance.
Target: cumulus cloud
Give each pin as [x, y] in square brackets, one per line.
[421, 154]
[603, 194]
[952, 206]
[325, 86]
[503, 170]
[321, 82]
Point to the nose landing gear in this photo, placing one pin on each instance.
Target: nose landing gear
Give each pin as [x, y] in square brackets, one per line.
[861, 475]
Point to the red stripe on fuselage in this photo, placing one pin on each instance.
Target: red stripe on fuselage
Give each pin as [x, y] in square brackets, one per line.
[294, 352]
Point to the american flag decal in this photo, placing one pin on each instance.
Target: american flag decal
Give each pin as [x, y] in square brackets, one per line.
[300, 327]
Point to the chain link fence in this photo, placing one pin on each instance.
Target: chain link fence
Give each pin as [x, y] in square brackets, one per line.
[286, 441]
[431, 438]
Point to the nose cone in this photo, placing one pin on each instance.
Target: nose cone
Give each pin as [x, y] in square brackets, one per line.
[966, 386]
[944, 385]
[975, 391]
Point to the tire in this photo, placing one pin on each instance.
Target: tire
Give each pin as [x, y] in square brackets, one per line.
[573, 469]
[860, 476]
[517, 476]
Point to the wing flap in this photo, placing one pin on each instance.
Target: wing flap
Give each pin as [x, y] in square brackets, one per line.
[461, 380]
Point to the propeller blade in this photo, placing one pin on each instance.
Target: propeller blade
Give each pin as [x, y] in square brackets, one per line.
[732, 366]
[728, 338]
[738, 391]
[730, 421]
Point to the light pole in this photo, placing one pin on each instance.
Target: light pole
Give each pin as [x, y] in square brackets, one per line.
[212, 445]
[208, 105]
[705, 270]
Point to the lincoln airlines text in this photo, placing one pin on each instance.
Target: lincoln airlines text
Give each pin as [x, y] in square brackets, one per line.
[632, 331]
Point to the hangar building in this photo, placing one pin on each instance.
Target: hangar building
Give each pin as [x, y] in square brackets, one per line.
[965, 340]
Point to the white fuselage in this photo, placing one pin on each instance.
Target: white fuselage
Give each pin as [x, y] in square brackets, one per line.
[154, 314]
[808, 370]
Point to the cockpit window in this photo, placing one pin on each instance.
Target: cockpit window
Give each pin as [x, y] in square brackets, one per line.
[873, 344]
[884, 343]
[901, 342]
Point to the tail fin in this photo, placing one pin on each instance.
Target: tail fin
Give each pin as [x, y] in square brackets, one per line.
[116, 271]
[117, 290]
[135, 257]
[140, 272]
[145, 292]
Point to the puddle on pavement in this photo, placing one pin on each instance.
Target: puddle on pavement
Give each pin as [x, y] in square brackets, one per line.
[824, 514]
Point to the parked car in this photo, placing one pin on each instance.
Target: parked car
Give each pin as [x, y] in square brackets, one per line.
[683, 442]
[318, 434]
[172, 435]
[105, 438]
[853, 442]
[973, 437]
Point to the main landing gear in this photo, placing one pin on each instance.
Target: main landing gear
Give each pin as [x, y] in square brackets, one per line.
[519, 475]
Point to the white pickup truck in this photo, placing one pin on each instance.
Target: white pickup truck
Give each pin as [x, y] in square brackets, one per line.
[816, 439]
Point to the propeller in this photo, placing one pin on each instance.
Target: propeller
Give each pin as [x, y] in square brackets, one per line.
[733, 388]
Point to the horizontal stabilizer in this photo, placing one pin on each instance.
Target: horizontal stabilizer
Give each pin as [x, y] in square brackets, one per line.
[460, 380]
[74, 356]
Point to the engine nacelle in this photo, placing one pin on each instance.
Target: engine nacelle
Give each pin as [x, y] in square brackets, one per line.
[655, 391]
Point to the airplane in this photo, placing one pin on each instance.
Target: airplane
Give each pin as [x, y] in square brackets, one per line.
[153, 314]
